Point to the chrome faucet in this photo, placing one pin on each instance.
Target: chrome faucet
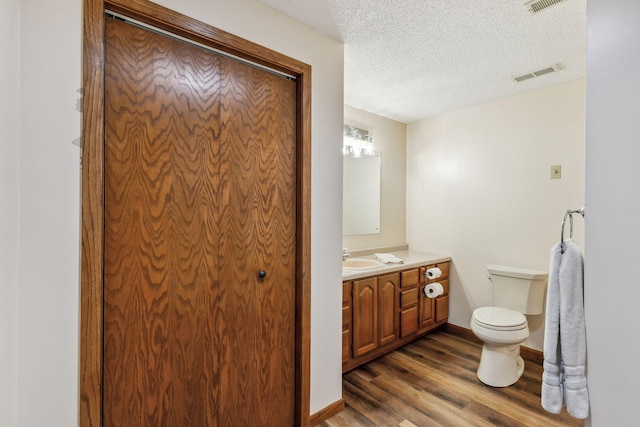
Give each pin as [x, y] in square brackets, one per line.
[345, 254]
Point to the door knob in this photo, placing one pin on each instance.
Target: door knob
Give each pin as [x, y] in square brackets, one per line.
[262, 274]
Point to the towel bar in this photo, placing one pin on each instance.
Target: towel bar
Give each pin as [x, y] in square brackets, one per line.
[570, 213]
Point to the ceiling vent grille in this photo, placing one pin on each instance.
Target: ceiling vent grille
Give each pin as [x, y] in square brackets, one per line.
[535, 6]
[538, 73]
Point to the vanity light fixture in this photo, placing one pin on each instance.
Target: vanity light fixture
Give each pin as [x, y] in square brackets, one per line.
[356, 142]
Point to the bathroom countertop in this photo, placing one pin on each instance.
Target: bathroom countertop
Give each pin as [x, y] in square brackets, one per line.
[411, 259]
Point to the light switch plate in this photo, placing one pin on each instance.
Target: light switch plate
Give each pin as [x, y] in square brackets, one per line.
[556, 171]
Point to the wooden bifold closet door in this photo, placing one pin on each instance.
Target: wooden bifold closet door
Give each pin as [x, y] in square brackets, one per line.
[200, 202]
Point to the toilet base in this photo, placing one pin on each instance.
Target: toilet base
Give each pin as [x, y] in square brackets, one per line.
[500, 365]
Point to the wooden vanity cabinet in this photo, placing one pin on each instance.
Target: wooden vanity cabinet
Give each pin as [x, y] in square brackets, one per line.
[382, 313]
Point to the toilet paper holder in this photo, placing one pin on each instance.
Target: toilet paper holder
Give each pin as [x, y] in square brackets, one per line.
[433, 290]
[432, 273]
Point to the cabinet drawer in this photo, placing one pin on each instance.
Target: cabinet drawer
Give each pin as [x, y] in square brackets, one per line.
[408, 297]
[409, 278]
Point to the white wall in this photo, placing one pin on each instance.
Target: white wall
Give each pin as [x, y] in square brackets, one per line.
[612, 283]
[9, 208]
[49, 179]
[478, 188]
[49, 174]
[390, 139]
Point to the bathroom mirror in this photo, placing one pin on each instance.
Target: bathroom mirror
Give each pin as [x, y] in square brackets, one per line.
[361, 194]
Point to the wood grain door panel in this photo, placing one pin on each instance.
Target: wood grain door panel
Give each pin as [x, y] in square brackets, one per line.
[199, 196]
[257, 180]
[161, 231]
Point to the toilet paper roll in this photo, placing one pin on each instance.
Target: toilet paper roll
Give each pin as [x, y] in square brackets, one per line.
[433, 273]
[433, 290]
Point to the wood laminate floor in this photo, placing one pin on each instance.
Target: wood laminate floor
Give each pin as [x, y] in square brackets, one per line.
[433, 382]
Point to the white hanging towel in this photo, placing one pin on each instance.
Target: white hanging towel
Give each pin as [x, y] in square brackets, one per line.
[573, 341]
[563, 380]
[552, 387]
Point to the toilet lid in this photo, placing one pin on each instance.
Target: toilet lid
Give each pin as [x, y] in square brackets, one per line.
[499, 318]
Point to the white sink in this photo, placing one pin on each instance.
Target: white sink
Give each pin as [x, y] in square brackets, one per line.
[361, 264]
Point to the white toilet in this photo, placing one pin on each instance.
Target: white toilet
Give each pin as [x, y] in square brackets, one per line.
[503, 327]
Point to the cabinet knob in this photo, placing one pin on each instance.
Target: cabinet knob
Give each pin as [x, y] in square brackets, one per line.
[262, 274]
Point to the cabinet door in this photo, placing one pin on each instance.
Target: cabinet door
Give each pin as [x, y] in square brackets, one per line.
[408, 321]
[442, 308]
[346, 321]
[442, 303]
[426, 309]
[200, 193]
[365, 316]
[387, 302]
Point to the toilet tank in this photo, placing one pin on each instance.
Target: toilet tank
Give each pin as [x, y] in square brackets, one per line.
[518, 289]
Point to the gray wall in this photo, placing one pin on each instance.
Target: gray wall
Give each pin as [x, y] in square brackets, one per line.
[612, 245]
[9, 207]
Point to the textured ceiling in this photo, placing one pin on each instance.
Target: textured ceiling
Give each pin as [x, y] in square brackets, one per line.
[411, 59]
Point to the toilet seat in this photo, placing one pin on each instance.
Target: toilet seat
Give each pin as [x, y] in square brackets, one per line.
[499, 319]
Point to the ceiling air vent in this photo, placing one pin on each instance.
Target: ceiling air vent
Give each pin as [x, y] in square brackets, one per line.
[538, 73]
[535, 6]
